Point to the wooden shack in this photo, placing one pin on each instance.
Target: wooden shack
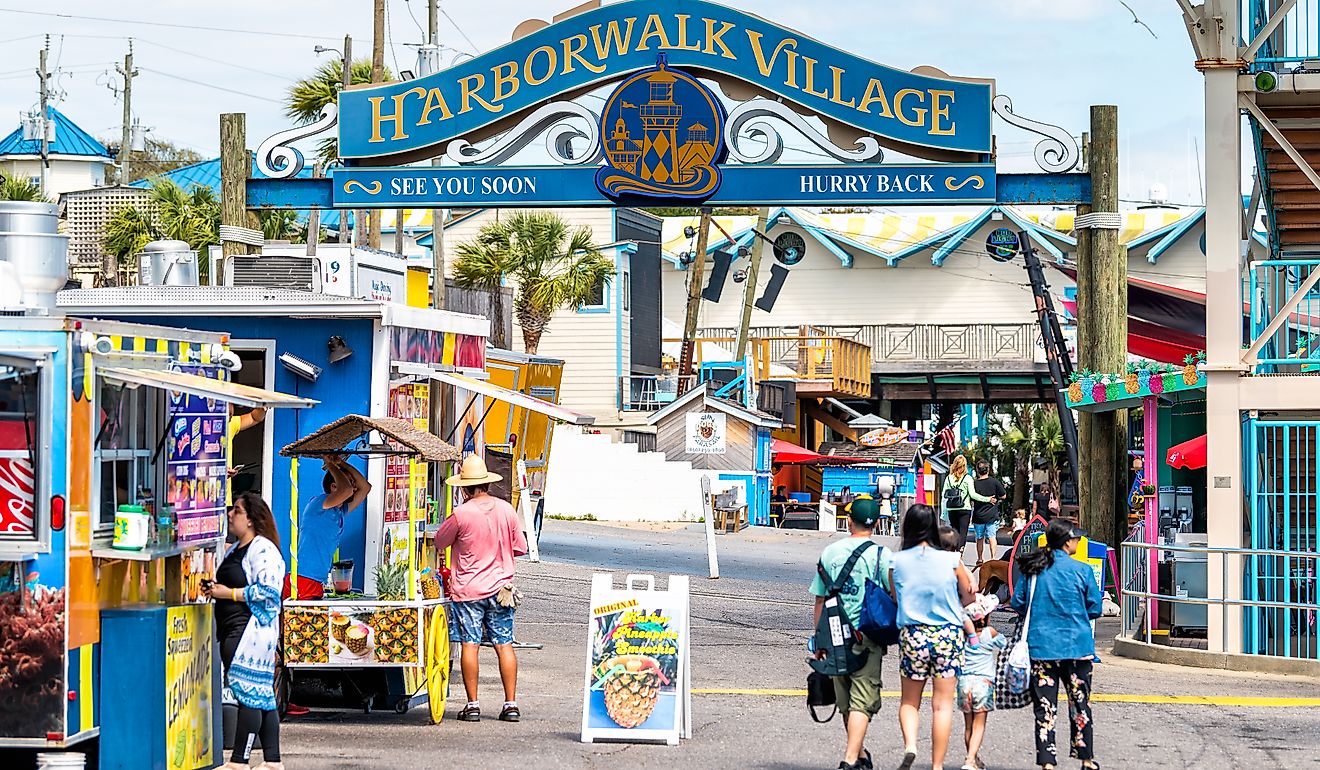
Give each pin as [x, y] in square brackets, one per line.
[716, 434]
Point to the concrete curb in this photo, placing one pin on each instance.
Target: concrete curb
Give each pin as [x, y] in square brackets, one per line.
[1181, 656]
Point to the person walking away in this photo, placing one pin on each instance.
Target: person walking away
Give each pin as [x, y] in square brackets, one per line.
[485, 535]
[321, 525]
[246, 591]
[1062, 597]
[985, 518]
[976, 683]
[931, 585]
[959, 494]
[858, 694]
[1044, 503]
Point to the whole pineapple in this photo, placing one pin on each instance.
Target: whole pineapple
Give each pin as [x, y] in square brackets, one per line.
[631, 693]
[1130, 380]
[392, 581]
[1075, 389]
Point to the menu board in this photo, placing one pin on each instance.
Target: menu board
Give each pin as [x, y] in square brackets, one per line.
[412, 402]
[196, 465]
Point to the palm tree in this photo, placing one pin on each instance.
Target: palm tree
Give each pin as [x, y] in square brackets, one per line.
[282, 225]
[552, 265]
[1047, 441]
[308, 96]
[14, 189]
[192, 216]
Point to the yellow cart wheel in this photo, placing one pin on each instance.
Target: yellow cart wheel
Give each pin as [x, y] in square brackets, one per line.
[437, 663]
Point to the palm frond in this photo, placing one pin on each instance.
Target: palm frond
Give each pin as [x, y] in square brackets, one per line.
[13, 188]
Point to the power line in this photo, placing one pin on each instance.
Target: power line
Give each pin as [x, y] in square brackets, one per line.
[212, 59]
[460, 29]
[211, 85]
[230, 30]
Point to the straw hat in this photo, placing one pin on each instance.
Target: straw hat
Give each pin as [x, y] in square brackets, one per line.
[473, 472]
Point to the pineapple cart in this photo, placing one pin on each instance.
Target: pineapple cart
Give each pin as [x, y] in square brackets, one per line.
[404, 626]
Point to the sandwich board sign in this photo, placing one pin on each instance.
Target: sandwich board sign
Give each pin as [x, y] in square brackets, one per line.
[638, 683]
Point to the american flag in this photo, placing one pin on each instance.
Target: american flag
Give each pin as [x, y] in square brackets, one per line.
[947, 438]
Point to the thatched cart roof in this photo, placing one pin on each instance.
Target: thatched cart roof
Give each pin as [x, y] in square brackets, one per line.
[335, 437]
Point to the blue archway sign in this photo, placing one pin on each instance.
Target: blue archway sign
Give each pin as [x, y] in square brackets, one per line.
[663, 133]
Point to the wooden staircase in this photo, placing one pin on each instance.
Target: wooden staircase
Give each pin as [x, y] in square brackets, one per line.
[1294, 201]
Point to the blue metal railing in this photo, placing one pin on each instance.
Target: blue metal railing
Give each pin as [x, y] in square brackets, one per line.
[1294, 347]
[1283, 496]
[1294, 41]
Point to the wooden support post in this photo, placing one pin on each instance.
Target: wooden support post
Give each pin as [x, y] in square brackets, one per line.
[749, 292]
[1085, 360]
[1106, 342]
[234, 167]
[696, 275]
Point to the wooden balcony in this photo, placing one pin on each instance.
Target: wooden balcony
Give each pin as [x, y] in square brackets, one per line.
[918, 348]
[822, 366]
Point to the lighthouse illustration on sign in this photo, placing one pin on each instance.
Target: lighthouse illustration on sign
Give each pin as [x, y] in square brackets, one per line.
[663, 133]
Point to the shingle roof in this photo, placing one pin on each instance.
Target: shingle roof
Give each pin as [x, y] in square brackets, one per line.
[900, 455]
[69, 140]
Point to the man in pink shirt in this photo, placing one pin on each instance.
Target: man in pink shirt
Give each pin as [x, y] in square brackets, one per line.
[485, 535]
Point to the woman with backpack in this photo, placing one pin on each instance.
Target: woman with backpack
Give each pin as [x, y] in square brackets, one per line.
[931, 586]
[959, 494]
[1058, 597]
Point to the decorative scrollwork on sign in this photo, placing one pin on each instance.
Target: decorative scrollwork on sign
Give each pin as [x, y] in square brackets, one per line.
[277, 158]
[751, 122]
[1057, 152]
[551, 119]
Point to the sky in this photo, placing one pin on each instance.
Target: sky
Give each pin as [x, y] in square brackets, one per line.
[1054, 58]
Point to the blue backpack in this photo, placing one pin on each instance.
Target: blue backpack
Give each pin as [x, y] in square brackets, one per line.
[879, 621]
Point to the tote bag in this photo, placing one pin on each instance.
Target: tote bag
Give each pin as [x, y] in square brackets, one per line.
[1005, 700]
[1019, 655]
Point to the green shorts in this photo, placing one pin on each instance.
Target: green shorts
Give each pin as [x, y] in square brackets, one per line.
[860, 690]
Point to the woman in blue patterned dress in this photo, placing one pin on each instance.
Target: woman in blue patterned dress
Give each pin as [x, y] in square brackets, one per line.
[247, 614]
[931, 586]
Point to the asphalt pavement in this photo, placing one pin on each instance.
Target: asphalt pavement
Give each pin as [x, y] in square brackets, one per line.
[748, 658]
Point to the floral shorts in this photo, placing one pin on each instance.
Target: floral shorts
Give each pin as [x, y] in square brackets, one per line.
[930, 652]
[976, 693]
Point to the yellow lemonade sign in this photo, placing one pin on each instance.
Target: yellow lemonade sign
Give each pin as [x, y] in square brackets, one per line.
[188, 679]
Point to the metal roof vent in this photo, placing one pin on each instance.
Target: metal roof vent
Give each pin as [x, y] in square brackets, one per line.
[167, 263]
[274, 272]
[34, 257]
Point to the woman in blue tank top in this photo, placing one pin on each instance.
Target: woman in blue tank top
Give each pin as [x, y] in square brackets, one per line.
[931, 586]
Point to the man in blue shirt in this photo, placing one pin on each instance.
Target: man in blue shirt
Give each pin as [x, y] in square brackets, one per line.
[322, 524]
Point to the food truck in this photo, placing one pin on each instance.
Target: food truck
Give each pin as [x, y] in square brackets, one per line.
[370, 358]
[113, 478]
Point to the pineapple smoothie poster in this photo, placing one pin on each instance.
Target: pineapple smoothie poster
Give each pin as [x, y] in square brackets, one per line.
[636, 685]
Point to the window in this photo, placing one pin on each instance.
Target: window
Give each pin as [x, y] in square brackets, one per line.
[125, 447]
[627, 293]
[598, 300]
[22, 439]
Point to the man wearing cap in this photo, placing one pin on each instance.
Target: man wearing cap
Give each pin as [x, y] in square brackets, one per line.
[858, 694]
[485, 535]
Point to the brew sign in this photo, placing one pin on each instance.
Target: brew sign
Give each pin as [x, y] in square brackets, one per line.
[1002, 244]
[707, 434]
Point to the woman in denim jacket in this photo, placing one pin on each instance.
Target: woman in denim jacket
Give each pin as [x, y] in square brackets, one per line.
[1063, 598]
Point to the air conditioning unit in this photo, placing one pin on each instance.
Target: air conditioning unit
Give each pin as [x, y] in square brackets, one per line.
[274, 272]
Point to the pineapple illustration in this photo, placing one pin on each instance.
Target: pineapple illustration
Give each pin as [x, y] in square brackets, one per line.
[1190, 375]
[1075, 389]
[1130, 381]
[1157, 382]
[1098, 391]
[1143, 378]
[631, 693]
[356, 639]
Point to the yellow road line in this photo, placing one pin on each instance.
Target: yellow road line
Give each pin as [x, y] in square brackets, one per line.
[1184, 700]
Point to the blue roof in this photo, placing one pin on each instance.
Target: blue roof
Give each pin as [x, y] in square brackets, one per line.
[69, 140]
[207, 174]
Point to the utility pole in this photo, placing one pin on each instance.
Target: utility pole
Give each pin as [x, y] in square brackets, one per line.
[1102, 330]
[345, 80]
[377, 76]
[235, 165]
[696, 275]
[43, 78]
[438, 216]
[126, 140]
[749, 291]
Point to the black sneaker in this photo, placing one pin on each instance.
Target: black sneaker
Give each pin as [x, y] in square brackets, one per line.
[864, 761]
[470, 713]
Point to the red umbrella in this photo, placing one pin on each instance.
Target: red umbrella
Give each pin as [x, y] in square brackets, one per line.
[789, 453]
[1188, 454]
